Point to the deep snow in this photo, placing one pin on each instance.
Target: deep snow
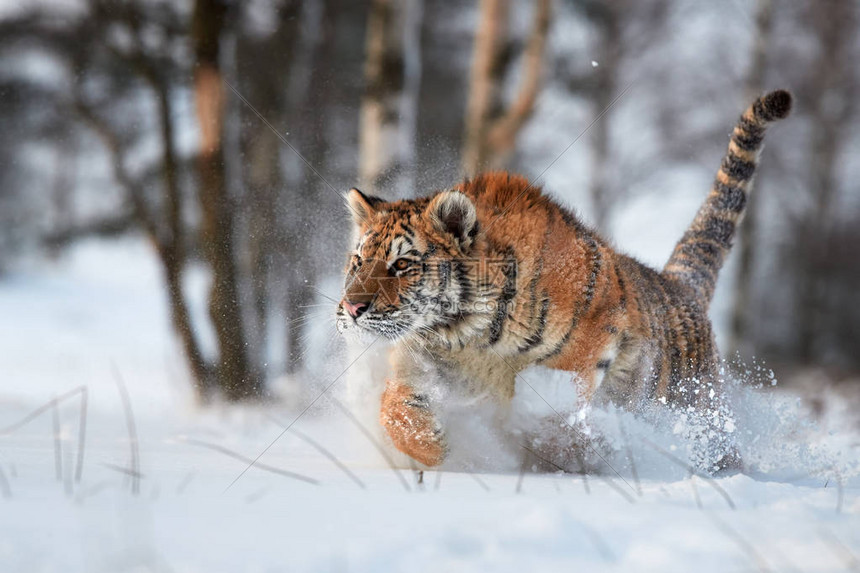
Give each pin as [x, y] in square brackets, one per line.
[99, 313]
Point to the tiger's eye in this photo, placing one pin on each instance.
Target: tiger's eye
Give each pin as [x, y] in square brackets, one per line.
[401, 264]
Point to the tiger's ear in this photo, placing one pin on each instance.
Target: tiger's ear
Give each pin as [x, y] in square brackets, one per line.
[362, 207]
[454, 213]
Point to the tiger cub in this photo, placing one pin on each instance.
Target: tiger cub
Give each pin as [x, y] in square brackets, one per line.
[478, 282]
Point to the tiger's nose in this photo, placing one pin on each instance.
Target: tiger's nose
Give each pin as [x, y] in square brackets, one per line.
[355, 309]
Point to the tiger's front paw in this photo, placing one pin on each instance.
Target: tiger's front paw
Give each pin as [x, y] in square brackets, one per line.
[407, 418]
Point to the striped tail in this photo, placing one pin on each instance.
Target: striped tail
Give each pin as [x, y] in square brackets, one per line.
[701, 251]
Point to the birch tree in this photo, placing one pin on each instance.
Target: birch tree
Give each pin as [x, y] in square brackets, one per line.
[389, 106]
[235, 378]
[491, 127]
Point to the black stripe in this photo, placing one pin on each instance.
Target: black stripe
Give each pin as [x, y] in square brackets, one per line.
[444, 274]
[535, 338]
[695, 278]
[751, 127]
[580, 311]
[730, 198]
[461, 276]
[604, 364]
[509, 290]
[748, 141]
[571, 220]
[719, 230]
[592, 278]
[621, 287]
[697, 245]
[533, 287]
[695, 260]
[668, 334]
[474, 232]
[558, 347]
[737, 168]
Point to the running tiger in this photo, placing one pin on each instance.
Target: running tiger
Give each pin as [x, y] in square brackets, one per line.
[478, 282]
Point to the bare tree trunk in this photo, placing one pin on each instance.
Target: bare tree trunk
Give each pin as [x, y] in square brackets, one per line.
[165, 230]
[65, 173]
[606, 20]
[382, 72]
[491, 129]
[173, 255]
[748, 232]
[502, 134]
[388, 112]
[235, 378]
[314, 91]
[264, 182]
[834, 25]
[487, 69]
[262, 169]
[169, 244]
[412, 27]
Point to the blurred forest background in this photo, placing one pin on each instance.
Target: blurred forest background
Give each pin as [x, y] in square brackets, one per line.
[225, 133]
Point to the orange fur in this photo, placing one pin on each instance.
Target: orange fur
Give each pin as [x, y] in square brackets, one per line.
[527, 283]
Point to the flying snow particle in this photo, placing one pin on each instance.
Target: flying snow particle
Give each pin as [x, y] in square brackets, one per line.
[594, 64]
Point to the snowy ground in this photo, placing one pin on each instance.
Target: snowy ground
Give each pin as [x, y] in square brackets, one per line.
[98, 315]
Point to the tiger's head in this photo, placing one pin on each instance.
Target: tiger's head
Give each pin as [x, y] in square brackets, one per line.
[411, 271]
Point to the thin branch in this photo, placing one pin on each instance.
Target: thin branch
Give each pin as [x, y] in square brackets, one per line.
[522, 475]
[709, 480]
[419, 475]
[629, 453]
[607, 481]
[82, 425]
[82, 432]
[599, 543]
[562, 418]
[302, 413]
[478, 480]
[695, 490]
[5, 488]
[58, 446]
[131, 472]
[839, 549]
[741, 542]
[370, 437]
[35, 413]
[185, 481]
[584, 471]
[840, 489]
[502, 134]
[340, 465]
[131, 426]
[259, 465]
[116, 150]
